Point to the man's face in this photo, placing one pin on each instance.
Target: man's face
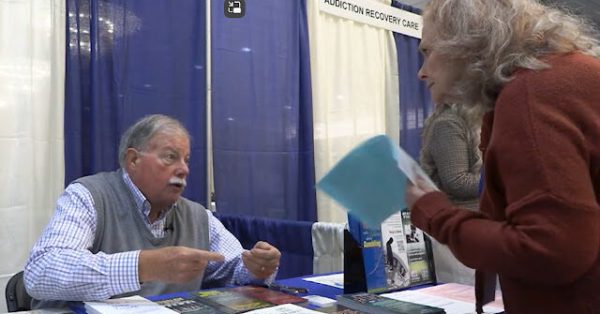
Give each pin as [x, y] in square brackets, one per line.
[439, 72]
[159, 171]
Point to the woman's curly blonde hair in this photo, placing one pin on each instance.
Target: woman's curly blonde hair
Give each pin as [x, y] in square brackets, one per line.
[495, 37]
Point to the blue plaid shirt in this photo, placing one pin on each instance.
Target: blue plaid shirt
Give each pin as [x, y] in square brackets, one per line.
[63, 267]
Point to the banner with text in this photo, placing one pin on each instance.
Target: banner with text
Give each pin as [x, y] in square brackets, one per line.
[375, 14]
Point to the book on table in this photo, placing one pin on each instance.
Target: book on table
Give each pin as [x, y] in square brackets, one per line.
[228, 300]
[376, 304]
[187, 305]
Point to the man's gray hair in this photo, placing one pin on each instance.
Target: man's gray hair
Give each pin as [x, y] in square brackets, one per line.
[138, 135]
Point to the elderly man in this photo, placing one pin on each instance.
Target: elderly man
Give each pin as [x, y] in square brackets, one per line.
[131, 232]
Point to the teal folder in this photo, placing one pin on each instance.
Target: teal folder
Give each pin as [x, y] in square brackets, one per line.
[370, 181]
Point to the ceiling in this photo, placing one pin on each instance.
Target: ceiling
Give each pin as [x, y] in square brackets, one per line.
[588, 8]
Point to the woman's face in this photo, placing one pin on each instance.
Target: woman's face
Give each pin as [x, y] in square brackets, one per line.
[438, 71]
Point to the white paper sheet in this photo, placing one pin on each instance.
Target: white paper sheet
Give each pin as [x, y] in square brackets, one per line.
[451, 306]
[334, 280]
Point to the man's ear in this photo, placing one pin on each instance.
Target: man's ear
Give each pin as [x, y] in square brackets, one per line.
[132, 157]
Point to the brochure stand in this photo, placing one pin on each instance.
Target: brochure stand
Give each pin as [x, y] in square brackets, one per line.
[354, 268]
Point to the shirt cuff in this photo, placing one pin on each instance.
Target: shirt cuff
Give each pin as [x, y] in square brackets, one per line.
[245, 277]
[269, 280]
[123, 272]
[426, 207]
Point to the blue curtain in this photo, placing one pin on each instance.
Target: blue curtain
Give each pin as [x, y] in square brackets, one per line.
[415, 100]
[126, 59]
[292, 238]
[262, 111]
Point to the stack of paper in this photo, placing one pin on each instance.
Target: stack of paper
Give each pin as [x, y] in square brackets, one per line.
[453, 298]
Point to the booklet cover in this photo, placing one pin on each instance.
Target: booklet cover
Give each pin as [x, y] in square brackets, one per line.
[187, 305]
[230, 301]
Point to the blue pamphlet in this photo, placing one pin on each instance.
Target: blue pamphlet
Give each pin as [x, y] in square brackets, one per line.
[370, 181]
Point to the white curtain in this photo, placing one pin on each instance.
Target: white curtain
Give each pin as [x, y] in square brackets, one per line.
[354, 89]
[328, 247]
[32, 53]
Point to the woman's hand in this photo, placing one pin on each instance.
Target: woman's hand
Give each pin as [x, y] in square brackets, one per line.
[417, 190]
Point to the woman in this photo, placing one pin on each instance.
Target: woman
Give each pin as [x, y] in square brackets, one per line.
[450, 157]
[537, 70]
[450, 154]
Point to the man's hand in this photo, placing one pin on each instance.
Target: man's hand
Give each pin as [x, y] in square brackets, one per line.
[262, 260]
[174, 264]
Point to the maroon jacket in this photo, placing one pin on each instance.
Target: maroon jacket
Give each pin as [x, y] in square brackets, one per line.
[540, 223]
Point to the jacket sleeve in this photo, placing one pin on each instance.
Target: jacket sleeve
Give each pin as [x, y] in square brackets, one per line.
[539, 190]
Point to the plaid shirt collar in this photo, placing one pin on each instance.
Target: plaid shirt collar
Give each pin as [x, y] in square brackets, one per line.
[141, 203]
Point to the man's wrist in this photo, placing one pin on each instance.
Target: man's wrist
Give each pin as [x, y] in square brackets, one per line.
[123, 272]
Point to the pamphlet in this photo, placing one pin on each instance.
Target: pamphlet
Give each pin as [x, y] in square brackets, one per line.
[371, 179]
[128, 305]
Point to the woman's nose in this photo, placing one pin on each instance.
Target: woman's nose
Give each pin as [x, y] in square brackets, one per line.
[421, 74]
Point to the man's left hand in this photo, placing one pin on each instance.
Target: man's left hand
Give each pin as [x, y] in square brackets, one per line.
[262, 260]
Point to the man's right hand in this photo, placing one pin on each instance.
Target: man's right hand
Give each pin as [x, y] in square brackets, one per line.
[174, 264]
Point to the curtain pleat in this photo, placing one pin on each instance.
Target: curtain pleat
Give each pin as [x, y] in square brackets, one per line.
[262, 112]
[354, 91]
[128, 59]
[32, 54]
[415, 101]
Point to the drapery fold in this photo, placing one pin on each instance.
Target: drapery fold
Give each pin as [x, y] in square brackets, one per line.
[355, 91]
[415, 100]
[262, 111]
[127, 59]
[32, 54]
[293, 238]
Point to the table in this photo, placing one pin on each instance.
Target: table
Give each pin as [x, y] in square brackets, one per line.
[312, 287]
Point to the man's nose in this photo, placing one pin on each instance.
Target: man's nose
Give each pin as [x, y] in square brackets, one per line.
[183, 169]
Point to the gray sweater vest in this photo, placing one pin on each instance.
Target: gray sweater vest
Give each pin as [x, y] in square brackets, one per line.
[120, 227]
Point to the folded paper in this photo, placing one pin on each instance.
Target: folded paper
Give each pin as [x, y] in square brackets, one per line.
[370, 181]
